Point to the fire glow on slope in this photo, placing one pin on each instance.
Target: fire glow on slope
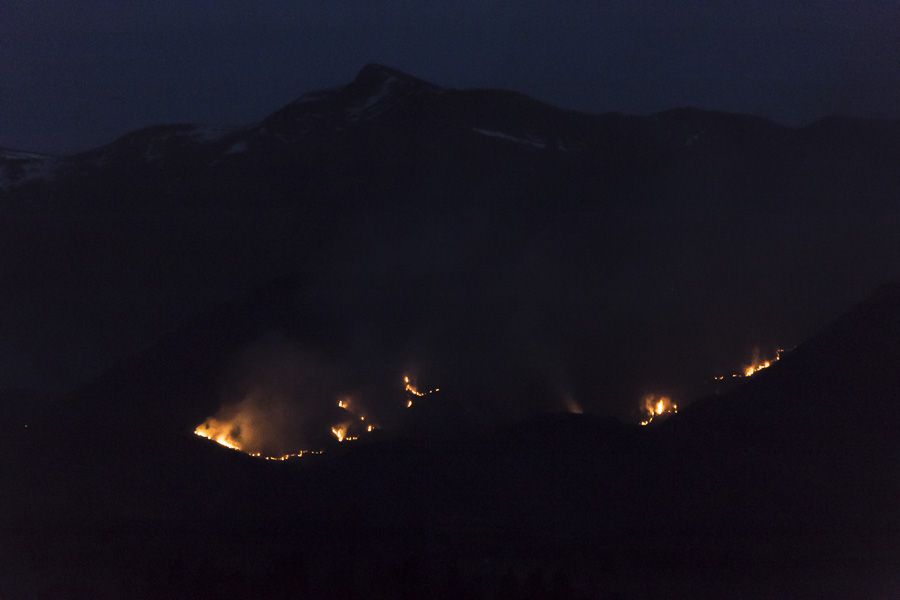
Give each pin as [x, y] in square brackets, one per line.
[219, 432]
[227, 434]
[243, 428]
[756, 365]
[414, 391]
[350, 429]
[235, 433]
[655, 406]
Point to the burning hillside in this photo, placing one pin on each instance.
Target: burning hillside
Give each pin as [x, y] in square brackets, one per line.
[231, 434]
[260, 427]
[243, 430]
[412, 390]
[657, 406]
[355, 425]
[756, 365]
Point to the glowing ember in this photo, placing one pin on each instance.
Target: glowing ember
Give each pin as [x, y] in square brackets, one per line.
[343, 404]
[656, 406]
[284, 457]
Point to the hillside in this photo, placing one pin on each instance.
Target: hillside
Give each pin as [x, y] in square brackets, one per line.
[433, 219]
[787, 481]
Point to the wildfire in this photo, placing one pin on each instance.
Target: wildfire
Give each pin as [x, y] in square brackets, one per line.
[755, 366]
[656, 406]
[346, 431]
[225, 434]
[758, 365]
[410, 388]
[339, 432]
[220, 432]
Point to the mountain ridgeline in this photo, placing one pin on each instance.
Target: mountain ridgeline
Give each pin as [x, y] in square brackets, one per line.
[426, 221]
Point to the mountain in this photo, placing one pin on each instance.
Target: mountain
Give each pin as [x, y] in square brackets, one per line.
[434, 219]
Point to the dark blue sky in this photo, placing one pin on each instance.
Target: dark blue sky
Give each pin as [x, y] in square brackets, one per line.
[75, 74]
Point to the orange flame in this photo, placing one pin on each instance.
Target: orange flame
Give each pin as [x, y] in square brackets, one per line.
[339, 432]
[758, 365]
[343, 432]
[409, 387]
[656, 406]
[755, 366]
[221, 432]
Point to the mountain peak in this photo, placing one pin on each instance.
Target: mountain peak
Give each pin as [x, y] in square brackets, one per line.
[374, 73]
[375, 89]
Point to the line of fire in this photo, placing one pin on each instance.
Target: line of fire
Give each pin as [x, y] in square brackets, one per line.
[227, 433]
[655, 407]
[755, 366]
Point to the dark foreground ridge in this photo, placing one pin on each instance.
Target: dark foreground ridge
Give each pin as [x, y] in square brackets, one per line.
[786, 485]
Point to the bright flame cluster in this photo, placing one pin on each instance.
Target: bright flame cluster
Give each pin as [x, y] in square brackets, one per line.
[218, 431]
[656, 406]
[339, 432]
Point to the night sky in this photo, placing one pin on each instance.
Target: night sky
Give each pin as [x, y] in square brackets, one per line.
[74, 75]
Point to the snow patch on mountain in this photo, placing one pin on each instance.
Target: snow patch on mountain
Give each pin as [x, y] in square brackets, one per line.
[19, 155]
[533, 142]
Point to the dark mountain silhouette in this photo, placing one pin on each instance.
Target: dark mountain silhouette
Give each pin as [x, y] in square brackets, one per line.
[518, 256]
[433, 218]
[787, 482]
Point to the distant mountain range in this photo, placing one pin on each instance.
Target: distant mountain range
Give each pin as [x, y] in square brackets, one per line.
[523, 253]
